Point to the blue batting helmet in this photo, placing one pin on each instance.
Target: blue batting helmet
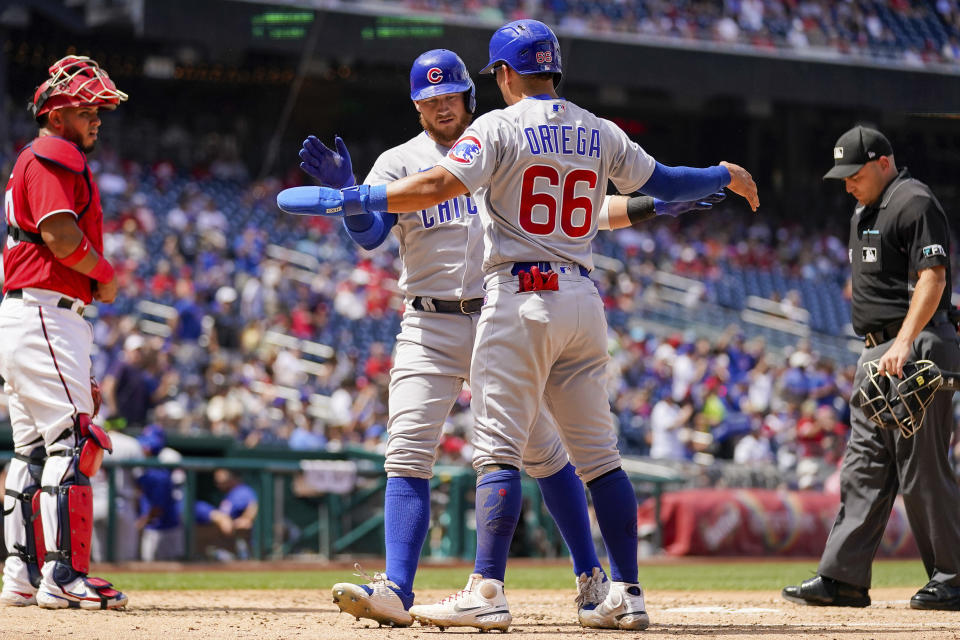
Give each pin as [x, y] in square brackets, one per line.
[438, 72]
[528, 46]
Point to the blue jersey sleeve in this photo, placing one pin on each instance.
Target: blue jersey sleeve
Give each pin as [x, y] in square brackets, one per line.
[677, 184]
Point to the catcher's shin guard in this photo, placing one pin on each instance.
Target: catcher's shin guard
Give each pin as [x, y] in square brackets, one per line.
[67, 499]
[23, 527]
[67, 502]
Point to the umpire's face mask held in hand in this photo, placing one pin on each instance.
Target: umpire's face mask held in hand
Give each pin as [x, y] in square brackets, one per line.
[891, 403]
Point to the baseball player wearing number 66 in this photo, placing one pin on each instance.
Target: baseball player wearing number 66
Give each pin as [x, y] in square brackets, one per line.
[54, 267]
[537, 172]
[441, 250]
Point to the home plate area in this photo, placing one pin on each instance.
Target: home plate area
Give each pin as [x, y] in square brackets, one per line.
[310, 614]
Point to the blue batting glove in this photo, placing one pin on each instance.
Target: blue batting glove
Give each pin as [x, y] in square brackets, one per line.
[336, 203]
[331, 168]
[674, 209]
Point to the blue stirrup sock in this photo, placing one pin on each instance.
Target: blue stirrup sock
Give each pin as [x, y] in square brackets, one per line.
[616, 507]
[498, 504]
[406, 520]
[566, 501]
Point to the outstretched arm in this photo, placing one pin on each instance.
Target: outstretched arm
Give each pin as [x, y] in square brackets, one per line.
[421, 190]
[412, 193]
[619, 212]
[673, 184]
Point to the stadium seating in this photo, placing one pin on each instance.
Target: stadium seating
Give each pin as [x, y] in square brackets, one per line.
[909, 33]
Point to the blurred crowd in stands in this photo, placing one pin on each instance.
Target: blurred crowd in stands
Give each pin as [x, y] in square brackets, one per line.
[914, 33]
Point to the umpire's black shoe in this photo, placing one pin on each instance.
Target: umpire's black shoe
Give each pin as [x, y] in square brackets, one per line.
[937, 595]
[826, 592]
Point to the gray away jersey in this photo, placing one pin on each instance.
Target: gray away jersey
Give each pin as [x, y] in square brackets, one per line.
[538, 171]
[440, 247]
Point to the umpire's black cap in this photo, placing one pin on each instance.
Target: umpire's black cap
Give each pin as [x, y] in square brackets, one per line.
[855, 148]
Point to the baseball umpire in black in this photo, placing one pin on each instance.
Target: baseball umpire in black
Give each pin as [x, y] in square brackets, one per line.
[901, 282]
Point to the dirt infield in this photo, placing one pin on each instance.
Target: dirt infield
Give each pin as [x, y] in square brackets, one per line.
[541, 615]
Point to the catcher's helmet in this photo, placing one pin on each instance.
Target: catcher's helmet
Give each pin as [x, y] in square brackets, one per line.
[438, 72]
[528, 46]
[75, 81]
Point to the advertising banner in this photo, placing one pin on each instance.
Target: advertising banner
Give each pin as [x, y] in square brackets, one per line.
[759, 522]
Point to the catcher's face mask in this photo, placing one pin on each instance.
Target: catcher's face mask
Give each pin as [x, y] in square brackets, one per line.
[75, 81]
[892, 403]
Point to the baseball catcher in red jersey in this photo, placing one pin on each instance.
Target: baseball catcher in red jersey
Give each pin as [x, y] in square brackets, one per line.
[53, 264]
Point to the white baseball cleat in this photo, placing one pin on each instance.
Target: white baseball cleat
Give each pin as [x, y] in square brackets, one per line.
[481, 604]
[82, 593]
[623, 608]
[377, 600]
[17, 598]
[591, 589]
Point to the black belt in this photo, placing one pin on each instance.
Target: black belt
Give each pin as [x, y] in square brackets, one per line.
[64, 302]
[466, 307]
[889, 332]
[543, 266]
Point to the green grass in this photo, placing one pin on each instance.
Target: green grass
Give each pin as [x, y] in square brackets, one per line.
[706, 576]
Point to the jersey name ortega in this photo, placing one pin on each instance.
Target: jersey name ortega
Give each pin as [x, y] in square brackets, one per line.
[447, 212]
[563, 140]
[466, 150]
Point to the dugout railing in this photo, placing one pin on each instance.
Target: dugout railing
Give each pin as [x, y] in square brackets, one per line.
[351, 522]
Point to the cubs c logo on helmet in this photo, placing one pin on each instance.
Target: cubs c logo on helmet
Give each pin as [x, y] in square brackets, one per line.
[465, 150]
[438, 72]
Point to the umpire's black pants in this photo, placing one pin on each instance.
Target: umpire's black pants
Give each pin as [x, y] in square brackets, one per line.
[879, 462]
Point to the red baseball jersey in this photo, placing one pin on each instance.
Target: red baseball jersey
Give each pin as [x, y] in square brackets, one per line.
[40, 187]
